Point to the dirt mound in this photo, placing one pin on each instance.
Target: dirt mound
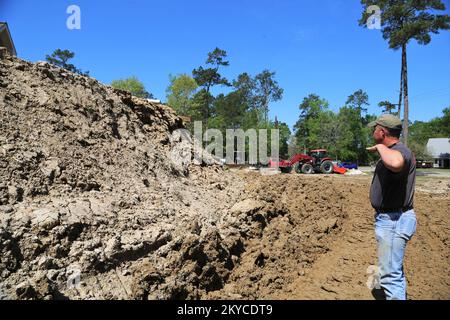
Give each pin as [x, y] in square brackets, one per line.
[92, 188]
[300, 219]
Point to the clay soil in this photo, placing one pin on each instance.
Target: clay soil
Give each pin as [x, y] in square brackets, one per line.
[324, 245]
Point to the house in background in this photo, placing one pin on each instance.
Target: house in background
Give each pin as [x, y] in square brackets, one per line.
[439, 148]
[6, 39]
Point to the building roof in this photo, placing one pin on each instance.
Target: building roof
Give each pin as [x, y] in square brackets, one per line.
[6, 40]
[439, 147]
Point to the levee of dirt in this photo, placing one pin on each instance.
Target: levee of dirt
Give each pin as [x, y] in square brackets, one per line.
[96, 198]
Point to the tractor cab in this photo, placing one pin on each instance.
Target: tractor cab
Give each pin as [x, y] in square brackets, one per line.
[318, 154]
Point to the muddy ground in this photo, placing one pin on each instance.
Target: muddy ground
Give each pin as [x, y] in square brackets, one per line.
[98, 201]
[323, 247]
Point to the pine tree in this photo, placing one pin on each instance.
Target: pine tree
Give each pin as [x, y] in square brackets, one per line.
[401, 22]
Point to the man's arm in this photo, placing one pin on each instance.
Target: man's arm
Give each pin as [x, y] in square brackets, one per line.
[392, 159]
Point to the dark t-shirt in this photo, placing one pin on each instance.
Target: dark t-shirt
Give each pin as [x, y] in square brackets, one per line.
[393, 191]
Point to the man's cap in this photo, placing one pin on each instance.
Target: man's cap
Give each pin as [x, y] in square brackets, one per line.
[388, 121]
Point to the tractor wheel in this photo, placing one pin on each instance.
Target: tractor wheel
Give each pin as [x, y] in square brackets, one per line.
[326, 167]
[298, 167]
[307, 168]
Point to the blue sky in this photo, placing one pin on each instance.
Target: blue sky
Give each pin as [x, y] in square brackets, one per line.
[314, 47]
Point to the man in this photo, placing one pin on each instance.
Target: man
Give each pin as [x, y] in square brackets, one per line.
[392, 197]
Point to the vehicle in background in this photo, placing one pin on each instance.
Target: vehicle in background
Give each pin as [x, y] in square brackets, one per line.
[420, 163]
[348, 165]
[315, 161]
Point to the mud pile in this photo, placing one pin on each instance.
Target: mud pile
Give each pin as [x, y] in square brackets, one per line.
[299, 218]
[96, 203]
[94, 199]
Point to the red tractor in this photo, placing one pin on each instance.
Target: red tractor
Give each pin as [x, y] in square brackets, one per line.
[315, 161]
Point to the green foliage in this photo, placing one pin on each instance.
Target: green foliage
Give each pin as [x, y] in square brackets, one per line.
[325, 132]
[387, 106]
[306, 128]
[401, 22]
[231, 108]
[201, 106]
[217, 58]
[442, 124]
[246, 86]
[345, 135]
[266, 90]
[245, 106]
[420, 150]
[358, 101]
[132, 85]
[208, 78]
[367, 140]
[404, 20]
[350, 127]
[354, 136]
[438, 127]
[285, 135]
[420, 132]
[180, 93]
[60, 58]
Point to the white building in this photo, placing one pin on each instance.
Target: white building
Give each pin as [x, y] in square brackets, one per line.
[439, 148]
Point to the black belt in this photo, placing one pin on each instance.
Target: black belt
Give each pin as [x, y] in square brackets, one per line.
[390, 210]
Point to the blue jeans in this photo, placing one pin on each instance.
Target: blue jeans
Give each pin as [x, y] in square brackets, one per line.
[393, 231]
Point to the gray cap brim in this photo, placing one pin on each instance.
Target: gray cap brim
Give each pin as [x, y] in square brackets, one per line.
[372, 124]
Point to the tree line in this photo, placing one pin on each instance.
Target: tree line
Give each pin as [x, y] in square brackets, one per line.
[246, 106]
[421, 131]
[247, 101]
[345, 133]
